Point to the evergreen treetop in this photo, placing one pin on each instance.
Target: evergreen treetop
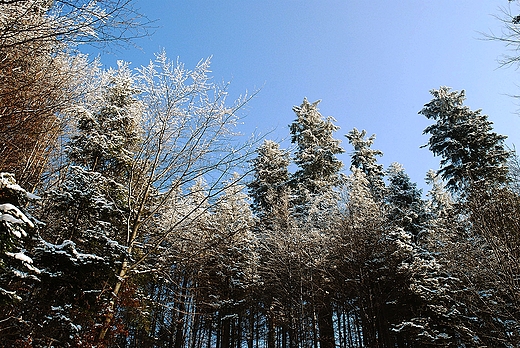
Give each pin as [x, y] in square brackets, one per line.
[365, 159]
[472, 153]
[316, 149]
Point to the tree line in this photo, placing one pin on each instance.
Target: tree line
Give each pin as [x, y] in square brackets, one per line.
[132, 214]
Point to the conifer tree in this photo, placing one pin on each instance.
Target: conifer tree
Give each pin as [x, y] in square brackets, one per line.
[269, 187]
[93, 196]
[406, 207]
[316, 150]
[188, 134]
[108, 126]
[86, 213]
[16, 230]
[471, 152]
[313, 195]
[19, 274]
[364, 158]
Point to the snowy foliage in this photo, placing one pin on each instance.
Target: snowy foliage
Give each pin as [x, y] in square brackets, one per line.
[108, 126]
[404, 199]
[269, 187]
[471, 152]
[365, 159]
[16, 230]
[316, 149]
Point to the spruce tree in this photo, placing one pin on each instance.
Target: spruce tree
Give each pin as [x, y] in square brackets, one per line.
[16, 231]
[87, 213]
[471, 152]
[406, 207]
[269, 187]
[108, 127]
[316, 150]
[313, 197]
[364, 158]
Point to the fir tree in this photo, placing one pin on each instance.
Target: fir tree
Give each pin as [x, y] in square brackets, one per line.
[87, 213]
[16, 231]
[471, 152]
[108, 126]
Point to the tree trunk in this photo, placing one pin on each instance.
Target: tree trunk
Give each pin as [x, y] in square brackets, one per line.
[112, 304]
[326, 325]
[271, 331]
[225, 331]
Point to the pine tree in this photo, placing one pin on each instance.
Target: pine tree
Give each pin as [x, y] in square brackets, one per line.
[364, 158]
[471, 152]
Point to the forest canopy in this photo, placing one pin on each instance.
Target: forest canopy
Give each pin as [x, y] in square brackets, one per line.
[134, 214]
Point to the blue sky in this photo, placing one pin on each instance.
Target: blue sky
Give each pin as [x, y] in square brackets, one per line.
[371, 63]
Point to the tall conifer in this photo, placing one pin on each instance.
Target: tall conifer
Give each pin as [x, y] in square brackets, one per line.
[471, 152]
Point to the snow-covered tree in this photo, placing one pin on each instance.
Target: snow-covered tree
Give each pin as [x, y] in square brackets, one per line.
[93, 197]
[19, 274]
[269, 187]
[231, 267]
[406, 207]
[314, 198]
[108, 127]
[382, 266]
[440, 201]
[493, 230]
[37, 22]
[363, 262]
[316, 150]
[42, 75]
[364, 158]
[86, 212]
[16, 231]
[471, 152]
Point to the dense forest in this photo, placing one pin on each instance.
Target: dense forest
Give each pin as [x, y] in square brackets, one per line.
[133, 215]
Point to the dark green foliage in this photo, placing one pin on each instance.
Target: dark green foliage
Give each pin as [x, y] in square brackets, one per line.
[16, 233]
[406, 207]
[471, 152]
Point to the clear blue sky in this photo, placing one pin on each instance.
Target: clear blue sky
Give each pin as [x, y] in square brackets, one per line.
[371, 63]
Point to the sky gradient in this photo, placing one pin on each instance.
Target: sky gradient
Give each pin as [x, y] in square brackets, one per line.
[371, 63]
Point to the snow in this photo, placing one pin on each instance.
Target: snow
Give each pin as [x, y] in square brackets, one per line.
[26, 260]
[8, 181]
[68, 248]
[9, 209]
[20, 256]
